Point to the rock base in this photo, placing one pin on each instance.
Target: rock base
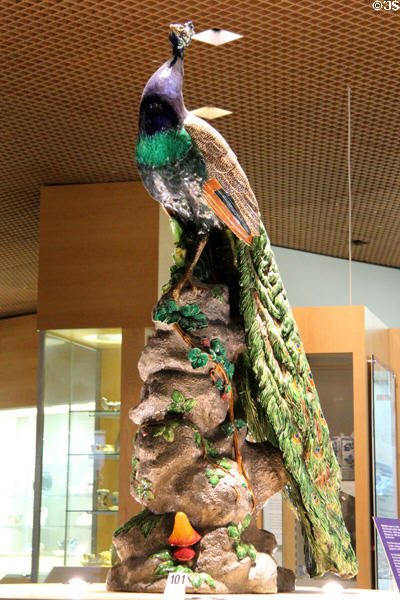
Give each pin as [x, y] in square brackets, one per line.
[185, 459]
[223, 563]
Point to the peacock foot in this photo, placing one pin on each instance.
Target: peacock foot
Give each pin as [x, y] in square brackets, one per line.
[186, 281]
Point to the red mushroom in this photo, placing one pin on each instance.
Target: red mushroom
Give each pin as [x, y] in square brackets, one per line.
[184, 554]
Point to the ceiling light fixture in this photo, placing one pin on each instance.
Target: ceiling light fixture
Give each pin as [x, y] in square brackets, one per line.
[210, 112]
[216, 37]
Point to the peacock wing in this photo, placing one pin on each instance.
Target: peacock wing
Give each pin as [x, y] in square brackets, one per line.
[227, 191]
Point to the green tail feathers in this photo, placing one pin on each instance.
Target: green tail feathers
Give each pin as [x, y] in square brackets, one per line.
[281, 403]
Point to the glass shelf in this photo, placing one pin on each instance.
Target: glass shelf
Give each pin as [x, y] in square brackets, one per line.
[98, 413]
[112, 455]
[93, 512]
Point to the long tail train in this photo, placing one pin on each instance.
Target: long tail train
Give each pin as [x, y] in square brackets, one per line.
[282, 405]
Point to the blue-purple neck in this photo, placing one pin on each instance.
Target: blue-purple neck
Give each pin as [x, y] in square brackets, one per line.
[162, 105]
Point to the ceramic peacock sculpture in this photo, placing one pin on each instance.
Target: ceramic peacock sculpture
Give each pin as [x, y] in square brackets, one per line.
[188, 167]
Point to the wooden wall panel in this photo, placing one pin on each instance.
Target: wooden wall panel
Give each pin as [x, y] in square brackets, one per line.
[18, 362]
[337, 329]
[98, 260]
[376, 338]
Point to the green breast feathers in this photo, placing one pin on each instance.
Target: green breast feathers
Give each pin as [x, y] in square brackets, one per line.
[163, 148]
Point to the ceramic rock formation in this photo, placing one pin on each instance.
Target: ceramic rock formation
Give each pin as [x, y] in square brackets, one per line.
[184, 461]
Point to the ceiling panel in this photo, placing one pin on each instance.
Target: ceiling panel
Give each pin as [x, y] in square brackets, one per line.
[73, 72]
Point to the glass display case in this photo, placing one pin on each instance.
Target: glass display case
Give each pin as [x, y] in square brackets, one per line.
[333, 376]
[384, 466]
[17, 434]
[80, 455]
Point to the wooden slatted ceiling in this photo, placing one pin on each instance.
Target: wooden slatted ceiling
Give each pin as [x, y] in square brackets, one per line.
[72, 76]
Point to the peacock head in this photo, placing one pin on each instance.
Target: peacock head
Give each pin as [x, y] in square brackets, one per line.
[180, 36]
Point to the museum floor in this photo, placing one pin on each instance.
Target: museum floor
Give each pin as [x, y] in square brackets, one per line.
[97, 591]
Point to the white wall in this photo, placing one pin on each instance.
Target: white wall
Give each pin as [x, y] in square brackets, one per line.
[317, 280]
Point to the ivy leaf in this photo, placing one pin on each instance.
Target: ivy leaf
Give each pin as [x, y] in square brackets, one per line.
[189, 310]
[189, 404]
[172, 318]
[229, 368]
[217, 293]
[143, 489]
[160, 314]
[200, 321]
[218, 349]
[162, 555]
[233, 531]
[198, 358]
[214, 480]
[241, 551]
[185, 310]
[211, 449]
[173, 408]
[195, 580]
[214, 476]
[209, 580]
[169, 434]
[227, 428]
[165, 568]
[176, 230]
[251, 551]
[177, 397]
[246, 522]
[179, 404]
[172, 306]
[182, 569]
[186, 324]
[159, 430]
[222, 462]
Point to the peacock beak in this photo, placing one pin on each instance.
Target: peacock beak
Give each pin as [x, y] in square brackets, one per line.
[176, 28]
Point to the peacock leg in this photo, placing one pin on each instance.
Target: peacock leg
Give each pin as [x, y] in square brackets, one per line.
[187, 278]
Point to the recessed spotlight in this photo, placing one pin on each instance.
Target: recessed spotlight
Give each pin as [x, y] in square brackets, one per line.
[210, 112]
[216, 37]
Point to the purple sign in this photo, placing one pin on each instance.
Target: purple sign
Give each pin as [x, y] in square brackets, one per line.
[389, 532]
